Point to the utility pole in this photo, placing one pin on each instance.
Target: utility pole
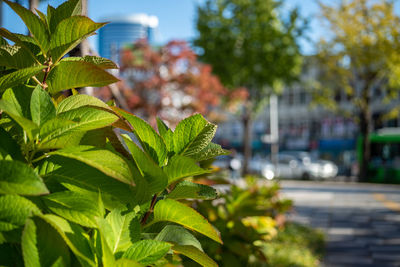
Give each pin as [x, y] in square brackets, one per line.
[273, 137]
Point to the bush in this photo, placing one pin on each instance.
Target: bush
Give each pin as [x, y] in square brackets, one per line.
[251, 218]
[73, 192]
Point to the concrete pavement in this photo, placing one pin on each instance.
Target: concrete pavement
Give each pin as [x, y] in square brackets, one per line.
[361, 221]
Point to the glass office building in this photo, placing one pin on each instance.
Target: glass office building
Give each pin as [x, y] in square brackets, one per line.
[125, 30]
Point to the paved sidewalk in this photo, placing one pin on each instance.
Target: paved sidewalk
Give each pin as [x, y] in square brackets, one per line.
[361, 221]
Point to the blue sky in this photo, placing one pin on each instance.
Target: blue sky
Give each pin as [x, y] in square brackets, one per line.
[176, 17]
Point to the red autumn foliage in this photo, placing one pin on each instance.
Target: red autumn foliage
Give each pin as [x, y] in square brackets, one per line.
[171, 83]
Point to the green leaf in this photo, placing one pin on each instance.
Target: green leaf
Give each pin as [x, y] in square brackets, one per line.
[188, 189]
[196, 255]
[30, 127]
[42, 108]
[179, 236]
[72, 121]
[77, 101]
[59, 133]
[9, 146]
[21, 40]
[30, 251]
[74, 172]
[127, 263]
[69, 33]
[101, 159]
[180, 167]
[192, 135]
[100, 62]
[162, 127]
[74, 236]
[18, 178]
[18, 76]
[147, 251]
[210, 151]
[176, 212]
[151, 142]
[74, 207]
[154, 175]
[73, 74]
[36, 248]
[19, 97]
[107, 257]
[34, 24]
[63, 11]
[14, 210]
[120, 238]
[15, 57]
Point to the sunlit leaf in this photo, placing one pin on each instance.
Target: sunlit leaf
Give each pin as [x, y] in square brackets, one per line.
[18, 178]
[176, 212]
[147, 251]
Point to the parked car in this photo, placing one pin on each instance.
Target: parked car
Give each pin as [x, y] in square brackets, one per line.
[312, 167]
[296, 165]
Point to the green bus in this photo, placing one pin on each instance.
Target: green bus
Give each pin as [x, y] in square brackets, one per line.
[384, 166]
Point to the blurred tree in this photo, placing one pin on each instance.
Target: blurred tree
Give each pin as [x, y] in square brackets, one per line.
[360, 56]
[168, 82]
[251, 44]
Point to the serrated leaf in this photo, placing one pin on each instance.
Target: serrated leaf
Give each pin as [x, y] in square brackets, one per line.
[78, 101]
[30, 127]
[210, 151]
[18, 178]
[100, 62]
[9, 146]
[74, 172]
[15, 57]
[152, 173]
[36, 248]
[74, 207]
[147, 251]
[69, 33]
[103, 251]
[22, 41]
[179, 236]
[162, 127]
[63, 11]
[30, 251]
[34, 24]
[127, 263]
[16, 77]
[187, 189]
[14, 210]
[59, 133]
[72, 121]
[74, 236]
[180, 167]
[42, 107]
[151, 142]
[119, 236]
[176, 212]
[192, 135]
[101, 159]
[73, 74]
[19, 97]
[196, 255]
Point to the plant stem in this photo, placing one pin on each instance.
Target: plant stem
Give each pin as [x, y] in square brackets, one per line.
[37, 81]
[146, 216]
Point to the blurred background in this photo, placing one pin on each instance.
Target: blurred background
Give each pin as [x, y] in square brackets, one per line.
[300, 90]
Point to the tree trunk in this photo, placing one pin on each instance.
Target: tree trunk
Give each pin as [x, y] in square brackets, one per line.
[33, 5]
[365, 129]
[246, 119]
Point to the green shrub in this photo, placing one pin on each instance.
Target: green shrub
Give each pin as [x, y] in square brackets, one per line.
[72, 191]
[252, 224]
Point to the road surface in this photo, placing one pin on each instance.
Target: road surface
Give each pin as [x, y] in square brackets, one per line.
[361, 221]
